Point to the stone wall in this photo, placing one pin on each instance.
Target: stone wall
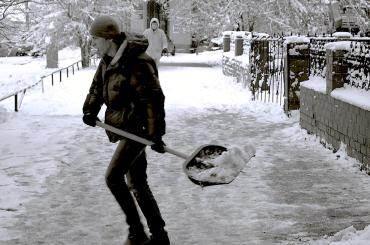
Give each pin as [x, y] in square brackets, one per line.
[335, 121]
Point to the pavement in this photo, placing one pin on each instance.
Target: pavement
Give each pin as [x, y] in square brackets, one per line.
[293, 192]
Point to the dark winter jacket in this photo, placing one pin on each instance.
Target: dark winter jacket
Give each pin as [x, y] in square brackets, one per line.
[128, 85]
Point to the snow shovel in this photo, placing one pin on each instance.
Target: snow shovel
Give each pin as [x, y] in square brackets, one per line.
[198, 166]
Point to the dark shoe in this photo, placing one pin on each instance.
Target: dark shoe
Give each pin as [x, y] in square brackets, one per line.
[159, 239]
[137, 239]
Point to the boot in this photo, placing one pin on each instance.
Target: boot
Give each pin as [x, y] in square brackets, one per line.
[159, 238]
[136, 238]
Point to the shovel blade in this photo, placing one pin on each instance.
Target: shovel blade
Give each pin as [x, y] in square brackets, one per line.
[201, 161]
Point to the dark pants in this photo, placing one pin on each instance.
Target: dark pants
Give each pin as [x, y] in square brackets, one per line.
[129, 160]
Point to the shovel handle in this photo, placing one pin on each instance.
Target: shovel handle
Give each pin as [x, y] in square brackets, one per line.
[138, 139]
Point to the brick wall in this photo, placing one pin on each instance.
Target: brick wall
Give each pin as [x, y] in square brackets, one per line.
[335, 121]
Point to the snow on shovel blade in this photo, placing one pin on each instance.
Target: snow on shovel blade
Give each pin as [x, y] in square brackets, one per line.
[208, 165]
[216, 165]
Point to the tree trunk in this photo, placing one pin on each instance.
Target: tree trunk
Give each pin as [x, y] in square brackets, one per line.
[85, 46]
[52, 58]
[331, 18]
[27, 13]
[251, 26]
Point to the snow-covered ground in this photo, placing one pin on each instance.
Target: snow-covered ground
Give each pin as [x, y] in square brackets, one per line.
[208, 58]
[18, 73]
[294, 191]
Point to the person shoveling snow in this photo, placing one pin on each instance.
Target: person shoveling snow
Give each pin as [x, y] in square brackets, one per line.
[126, 81]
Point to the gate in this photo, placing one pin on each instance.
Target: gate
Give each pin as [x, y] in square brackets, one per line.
[267, 70]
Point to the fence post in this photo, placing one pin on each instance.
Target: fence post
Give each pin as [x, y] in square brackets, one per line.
[297, 64]
[67, 72]
[336, 68]
[16, 102]
[42, 85]
[60, 76]
[52, 79]
[227, 40]
[238, 46]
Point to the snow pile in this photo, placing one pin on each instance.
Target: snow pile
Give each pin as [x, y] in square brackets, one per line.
[315, 83]
[225, 167]
[244, 34]
[352, 95]
[341, 45]
[296, 39]
[355, 96]
[4, 115]
[341, 157]
[348, 236]
[342, 35]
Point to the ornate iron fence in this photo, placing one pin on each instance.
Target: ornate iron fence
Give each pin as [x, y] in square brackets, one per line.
[358, 63]
[268, 64]
[357, 60]
[267, 69]
[318, 55]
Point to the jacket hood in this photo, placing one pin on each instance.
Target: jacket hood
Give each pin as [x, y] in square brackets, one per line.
[154, 20]
[130, 44]
[137, 43]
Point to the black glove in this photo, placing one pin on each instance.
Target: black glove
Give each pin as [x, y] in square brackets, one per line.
[90, 120]
[158, 146]
[164, 51]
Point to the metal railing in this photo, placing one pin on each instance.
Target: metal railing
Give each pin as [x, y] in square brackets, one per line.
[19, 94]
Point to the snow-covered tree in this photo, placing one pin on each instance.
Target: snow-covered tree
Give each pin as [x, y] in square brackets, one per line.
[273, 16]
[296, 15]
[11, 13]
[66, 22]
[204, 19]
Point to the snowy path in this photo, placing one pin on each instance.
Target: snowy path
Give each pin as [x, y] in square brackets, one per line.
[293, 191]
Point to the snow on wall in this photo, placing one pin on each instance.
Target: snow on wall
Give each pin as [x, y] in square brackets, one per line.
[296, 39]
[340, 45]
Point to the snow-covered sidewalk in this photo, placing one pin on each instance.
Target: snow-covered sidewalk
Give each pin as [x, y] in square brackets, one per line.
[52, 188]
